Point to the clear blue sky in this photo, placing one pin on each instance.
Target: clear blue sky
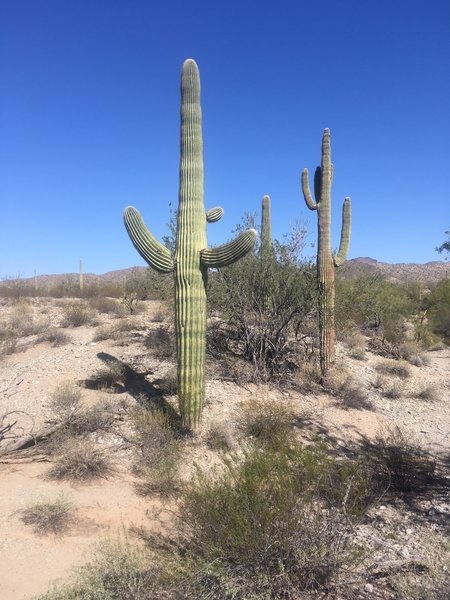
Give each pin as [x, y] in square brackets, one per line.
[89, 121]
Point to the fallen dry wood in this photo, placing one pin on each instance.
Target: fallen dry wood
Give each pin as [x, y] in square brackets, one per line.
[28, 440]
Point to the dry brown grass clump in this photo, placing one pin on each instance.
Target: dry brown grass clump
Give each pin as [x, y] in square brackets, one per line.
[267, 421]
[353, 395]
[108, 306]
[118, 570]
[65, 399]
[159, 453]
[429, 393]
[56, 337]
[119, 332]
[76, 314]
[110, 378]
[80, 460]
[399, 461]
[412, 353]
[48, 516]
[168, 384]
[390, 389]
[219, 437]
[394, 368]
[161, 342]
[356, 344]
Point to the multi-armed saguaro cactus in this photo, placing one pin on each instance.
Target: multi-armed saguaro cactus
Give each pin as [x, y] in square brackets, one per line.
[325, 261]
[192, 256]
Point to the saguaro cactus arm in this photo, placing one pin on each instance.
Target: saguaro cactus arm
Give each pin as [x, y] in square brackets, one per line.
[226, 254]
[152, 251]
[344, 244]
[214, 214]
[307, 192]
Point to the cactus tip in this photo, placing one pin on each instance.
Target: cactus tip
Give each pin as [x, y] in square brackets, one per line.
[190, 62]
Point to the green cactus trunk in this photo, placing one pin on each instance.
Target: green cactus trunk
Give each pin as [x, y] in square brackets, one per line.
[192, 256]
[190, 275]
[266, 253]
[326, 263]
[266, 229]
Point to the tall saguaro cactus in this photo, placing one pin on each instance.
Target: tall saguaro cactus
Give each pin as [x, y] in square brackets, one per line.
[326, 263]
[192, 256]
[266, 228]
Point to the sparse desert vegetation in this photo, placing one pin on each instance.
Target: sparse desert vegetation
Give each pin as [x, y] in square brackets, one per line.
[281, 492]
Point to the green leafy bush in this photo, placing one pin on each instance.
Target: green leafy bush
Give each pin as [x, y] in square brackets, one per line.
[269, 526]
[264, 302]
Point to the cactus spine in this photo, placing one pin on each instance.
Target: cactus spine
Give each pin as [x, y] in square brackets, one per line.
[192, 256]
[326, 263]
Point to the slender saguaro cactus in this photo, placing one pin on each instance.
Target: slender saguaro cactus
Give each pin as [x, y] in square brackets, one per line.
[81, 277]
[326, 263]
[192, 256]
[266, 228]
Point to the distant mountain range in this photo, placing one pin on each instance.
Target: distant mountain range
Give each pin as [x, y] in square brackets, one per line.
[430, 272]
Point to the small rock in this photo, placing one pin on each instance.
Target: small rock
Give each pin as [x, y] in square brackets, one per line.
[368, 588]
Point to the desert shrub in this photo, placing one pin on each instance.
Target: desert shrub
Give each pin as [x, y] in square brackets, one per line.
[377, 306]
[437, 304]
[268, 421]
[399, 462]
[65, 399]
[159, 453]
[388, 388]
[430, 579]
[394, 368]
[22, 321]
[219, 437]
[145, 286]
[48, 516]
[56, 337]
[118, 570]
[168, 384]
[412, 353]
[358, 353]
[429, 393]
[269, 526]
[308, 377]
[264, 302]
[160, 341]
[116, 331]
[347, 388]
[355, 342]
[353, 395]
[110, 378]
[77, 314]
[158, 317]
[80, 460]
[109, 306]
[8, 345]
[88, 420]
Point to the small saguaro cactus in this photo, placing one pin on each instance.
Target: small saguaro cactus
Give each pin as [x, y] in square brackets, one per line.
[326, 263]
[192, 257]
